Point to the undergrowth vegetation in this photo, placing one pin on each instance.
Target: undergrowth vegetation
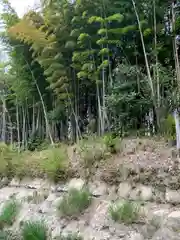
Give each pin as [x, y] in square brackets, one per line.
[125, 211]
[34, 231]
[75, 202]
[9, 213]
[51, 163]
[94, 149]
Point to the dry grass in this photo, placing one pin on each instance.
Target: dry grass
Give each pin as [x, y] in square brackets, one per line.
[51, 163]
[93, 156]
[91, 150]
[75, 202]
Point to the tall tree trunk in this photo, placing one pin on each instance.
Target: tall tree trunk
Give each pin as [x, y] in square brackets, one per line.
[157, 68]
[43, 105]
[177, 67]
[17, 123]
[23, 128]
[3, 136]
[150, 80]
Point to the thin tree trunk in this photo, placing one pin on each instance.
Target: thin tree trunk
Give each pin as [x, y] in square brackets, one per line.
[23, 128]
[156, 64]
[176, 59]
[17, 123]
[33, 119]
[3, 136]
[43, 105]
[150, 80]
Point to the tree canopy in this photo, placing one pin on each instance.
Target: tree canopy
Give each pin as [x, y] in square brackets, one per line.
[85, 66]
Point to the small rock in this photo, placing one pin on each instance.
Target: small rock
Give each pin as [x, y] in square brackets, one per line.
[165, 234]
[118, 230]
[4, 182]
[56, 202]
[124, 189]
[135, 236]
[135, 194]
[60, 189]
[172, 196]
[148, 231]
[76, 183]
[32, 184]
[173, 221]
[98, 189]
[146, 193]
[14, 182]
[158, 217]
[45, 207]
[51, 197]
[159, 196]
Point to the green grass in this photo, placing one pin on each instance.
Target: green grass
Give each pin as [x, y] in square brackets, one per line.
[111, 143]
[70, 236]
[56, 163]
[75, 202]
[9, 213]
[34, 231]
[126, 212]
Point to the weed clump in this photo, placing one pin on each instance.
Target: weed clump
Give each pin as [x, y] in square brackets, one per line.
[9, 213]
[34, 231]
[111, 143]
[75, 202]
[126, 212]
[56, 163]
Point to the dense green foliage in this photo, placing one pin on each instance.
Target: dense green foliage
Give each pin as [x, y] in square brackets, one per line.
[95, 66]
[9, 213]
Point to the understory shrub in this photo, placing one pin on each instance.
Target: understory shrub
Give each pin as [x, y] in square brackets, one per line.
[9, 213]
[75, 202]
[111, 143]
[125, 211]
[6, 156]
[34, 231]
[169, 128]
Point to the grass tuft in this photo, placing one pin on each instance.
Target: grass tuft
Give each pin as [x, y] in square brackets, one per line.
[126, 212]
[56, 163]
[9, 213]
[75, 202]
[34, 231]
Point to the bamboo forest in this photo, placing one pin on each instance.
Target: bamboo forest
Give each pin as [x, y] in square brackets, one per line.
[83, 67]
